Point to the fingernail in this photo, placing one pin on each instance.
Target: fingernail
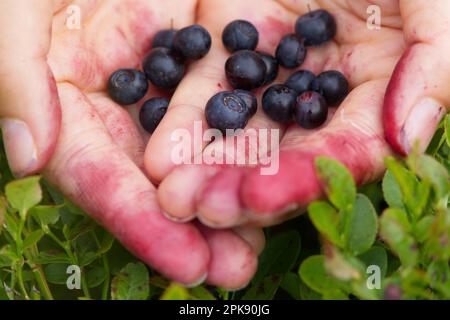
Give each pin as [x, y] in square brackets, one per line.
[178, 219]
[19, 145]
[421, 124]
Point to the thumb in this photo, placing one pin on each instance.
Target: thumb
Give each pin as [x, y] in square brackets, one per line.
[418, 91]
[29, 104]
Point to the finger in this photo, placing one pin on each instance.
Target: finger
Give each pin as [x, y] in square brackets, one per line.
[417, 93]
[254, 236]
[233, 262]
[91, 170]
[29, 104]
[354, 137]
[188, 103]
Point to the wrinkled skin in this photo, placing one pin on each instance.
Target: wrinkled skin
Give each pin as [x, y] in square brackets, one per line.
[91, 149]
[54, 81]
[408, 56]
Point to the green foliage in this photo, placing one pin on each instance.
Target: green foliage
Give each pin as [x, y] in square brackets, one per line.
[399, 227]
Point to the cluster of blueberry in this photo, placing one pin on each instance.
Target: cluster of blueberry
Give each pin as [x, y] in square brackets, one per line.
[164, 66]
[303, 97]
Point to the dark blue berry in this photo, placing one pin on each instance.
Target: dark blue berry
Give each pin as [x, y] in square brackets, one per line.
[240, 35]
[193, 42]
[164, 39]
[271, 67]
[127, 86]
[152, 112]
[291, 52]
[227, 110]
[311, 110]
[316, 27]
[301, 81]
[164, 68]
[249, 99]
[245, 70]
[333, 86]
[278, 103]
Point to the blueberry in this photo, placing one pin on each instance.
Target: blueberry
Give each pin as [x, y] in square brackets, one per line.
[333, 86]
[164, 68]
[311, 110]
[245, 70]
[316, 27]
[271, 67]
[152, 112]
[127, 86]
[249, 99]
[227, 110]
[278, 103]
[164, 39]
[291, 52]
[193, 42]
[240, 35]
[301, 81]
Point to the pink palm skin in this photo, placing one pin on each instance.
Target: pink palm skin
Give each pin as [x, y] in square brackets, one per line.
[396, 99]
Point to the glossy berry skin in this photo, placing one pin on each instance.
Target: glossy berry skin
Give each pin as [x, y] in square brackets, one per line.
[301, 81]
[249, 99]
[311, 110]
[291, 52]
[193, 42]
[278, 103]
[164, 68]
[152, 112]
[227, 110]
[240, 35]
[316, 27]
[164, 39]
[245, 70]
[271, 67]
[127, 86]
[333, 86]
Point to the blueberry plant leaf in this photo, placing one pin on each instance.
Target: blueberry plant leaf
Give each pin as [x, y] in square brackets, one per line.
[314, 275]
[175, 292]
[291, 283]
[3, 294]
[132, 283]
[345, 268]
[376, 256]
[447, 129]
[95, 276]
[24, 194]
[32, 238]
[361, 226]
[335, 295]
[337, 181]
[201, 293]
[265, 289]
[391, 191]
[56, 273]
[395, 229]
[280, 255]
[45, 215]
[326, 219]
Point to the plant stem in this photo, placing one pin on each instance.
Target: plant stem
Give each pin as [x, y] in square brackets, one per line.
[105, 288]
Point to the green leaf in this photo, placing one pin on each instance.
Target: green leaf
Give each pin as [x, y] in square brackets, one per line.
[87, 258]
[51, 257]
[338, 182]
[24, 194]
[395, 230]
[46, 215]
[306, 293]
[391, 191]
[432, 171]
[342, 267]
[313, 273]
[376, 256]
[201, 293]
[361, 226]
[106, 244]
[3, 294]
[335, 295]
[11, 225]
[447, 128]
[264, 290]
[175, 292]
[132, 283]
[326, 219]
[423, 229]
[33, 238]
[291, 283]
[280, 254]
[95, 276]
[8, 256]
[56, 273]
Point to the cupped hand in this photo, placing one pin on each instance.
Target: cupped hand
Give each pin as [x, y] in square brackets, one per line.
[408, 56]
[57, 118]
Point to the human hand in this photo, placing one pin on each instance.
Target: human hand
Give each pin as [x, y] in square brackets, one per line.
[413, 32]
[57, 118]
